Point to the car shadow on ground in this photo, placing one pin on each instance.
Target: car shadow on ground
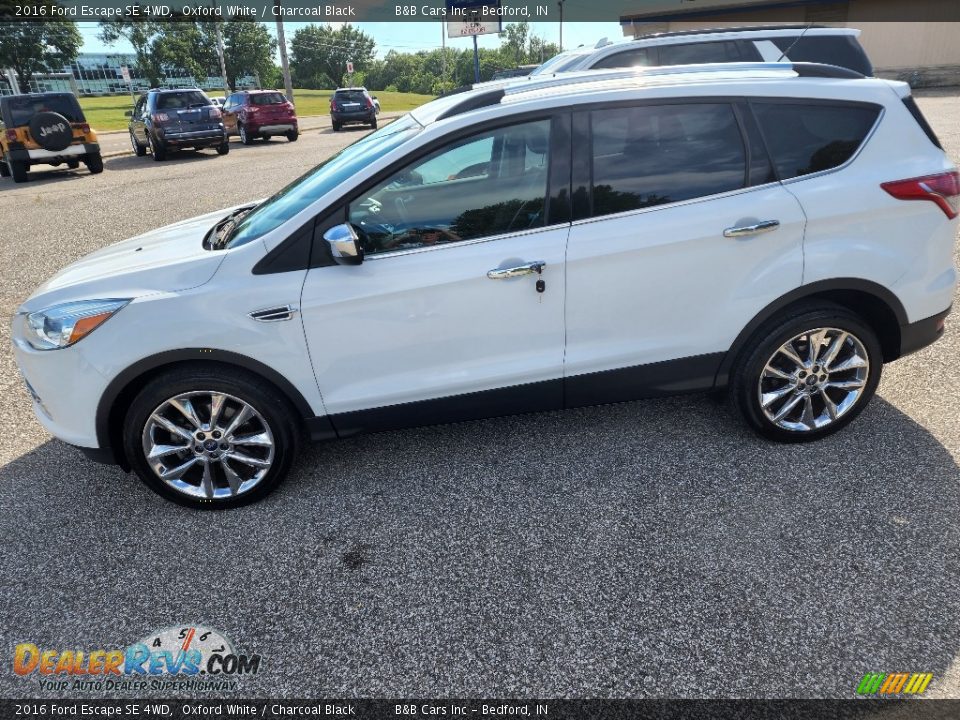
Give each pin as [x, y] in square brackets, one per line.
[184, 157]
[46, 175]
[642, 549]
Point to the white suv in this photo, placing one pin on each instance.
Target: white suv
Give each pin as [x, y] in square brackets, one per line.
[831, 46]
[778, 230]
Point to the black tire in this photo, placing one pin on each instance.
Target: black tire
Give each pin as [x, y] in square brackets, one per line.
[4, 168]
[18, 169]
[277, 413]
[94, 163]
[51, 130]
[266, 137]
[374, 124]
[336, 126]
[73, 164]
[139, 149]
[293, 135]
[223, 148]
[159, 151]
[245, 137]
[746, 378]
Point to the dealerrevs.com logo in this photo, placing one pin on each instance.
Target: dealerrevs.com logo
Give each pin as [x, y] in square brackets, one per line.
[192, 658]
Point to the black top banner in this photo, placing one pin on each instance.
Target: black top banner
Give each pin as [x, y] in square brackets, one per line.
[484, 11]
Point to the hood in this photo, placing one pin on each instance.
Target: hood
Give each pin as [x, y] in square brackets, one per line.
[169, 259]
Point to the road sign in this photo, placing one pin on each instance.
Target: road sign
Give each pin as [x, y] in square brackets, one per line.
[466, 18]
[349, 67]
[125, 73]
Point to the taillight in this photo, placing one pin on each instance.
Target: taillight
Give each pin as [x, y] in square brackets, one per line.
[160, 117]
[214, 112]
[12, 135]
[942, 189]
[370, 103]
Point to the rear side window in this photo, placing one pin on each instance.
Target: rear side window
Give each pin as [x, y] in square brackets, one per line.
[641, 57]
[840, 50]
[698, 53]
[24, 107]
[181, 100]
[805, 139]
[653, 155]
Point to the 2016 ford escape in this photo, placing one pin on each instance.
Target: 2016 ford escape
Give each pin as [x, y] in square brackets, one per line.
[778, 230]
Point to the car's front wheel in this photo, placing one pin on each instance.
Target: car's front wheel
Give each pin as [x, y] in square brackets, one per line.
[210, 437]
[807, 374]
[138, 149]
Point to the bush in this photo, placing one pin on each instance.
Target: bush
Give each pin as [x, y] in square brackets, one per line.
[390, 88]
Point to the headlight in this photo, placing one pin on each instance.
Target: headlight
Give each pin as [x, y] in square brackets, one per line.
[63, 325]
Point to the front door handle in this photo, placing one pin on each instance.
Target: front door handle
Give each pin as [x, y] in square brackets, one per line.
[748, 230]
[530, 268]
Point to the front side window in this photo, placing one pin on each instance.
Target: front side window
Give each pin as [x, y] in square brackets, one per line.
[488, 184]
[805, 139]
[653, 155]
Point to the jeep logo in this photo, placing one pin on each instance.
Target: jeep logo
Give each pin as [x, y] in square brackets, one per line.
[51, 129]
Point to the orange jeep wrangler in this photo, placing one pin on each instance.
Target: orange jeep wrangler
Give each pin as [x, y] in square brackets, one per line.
[45, 129]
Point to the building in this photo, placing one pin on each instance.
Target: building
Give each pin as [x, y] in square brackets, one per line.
[914, 40]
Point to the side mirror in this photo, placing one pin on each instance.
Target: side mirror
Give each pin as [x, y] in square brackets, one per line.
[344, 244]
[128, 113]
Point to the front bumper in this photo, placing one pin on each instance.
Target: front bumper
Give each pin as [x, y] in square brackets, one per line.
[918, 335]
[65, 388]
[39, 155]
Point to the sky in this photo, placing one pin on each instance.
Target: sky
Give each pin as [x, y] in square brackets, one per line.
[413, 36]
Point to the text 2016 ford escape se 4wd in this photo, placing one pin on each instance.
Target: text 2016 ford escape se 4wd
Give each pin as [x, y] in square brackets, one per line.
[780, 230]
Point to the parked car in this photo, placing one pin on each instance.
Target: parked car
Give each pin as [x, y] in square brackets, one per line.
[45, 129]
[164, 121]
[352, 106]
[218, 101]
[780, 231]
[253, 114]
[774, 43]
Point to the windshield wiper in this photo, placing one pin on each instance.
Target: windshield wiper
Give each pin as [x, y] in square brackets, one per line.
[219, 234]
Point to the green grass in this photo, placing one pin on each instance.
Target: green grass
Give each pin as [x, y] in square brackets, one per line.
[107, 113]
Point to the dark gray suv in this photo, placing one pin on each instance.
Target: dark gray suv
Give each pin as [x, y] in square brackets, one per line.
[167, 120]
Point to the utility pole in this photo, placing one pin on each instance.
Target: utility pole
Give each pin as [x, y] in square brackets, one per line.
[282, 42]
[560, 5]
[223, 64]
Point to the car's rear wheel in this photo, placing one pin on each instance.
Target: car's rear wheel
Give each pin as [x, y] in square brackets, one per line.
[807, 374]
[293, 135]
[94, 163]
[159, 150]
[374, 124]
[18, 169]
[336, 126]
[210, 437]
[138, 149]
[245, 137]
[73, 164]
[4, 168]
[223, 148]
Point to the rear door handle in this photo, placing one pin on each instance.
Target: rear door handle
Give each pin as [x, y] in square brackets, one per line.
[530, 268]
[748, 230]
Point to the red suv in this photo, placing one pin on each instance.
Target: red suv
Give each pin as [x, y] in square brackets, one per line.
[259, 113]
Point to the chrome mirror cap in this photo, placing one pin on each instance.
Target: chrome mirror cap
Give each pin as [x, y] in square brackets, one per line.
[344, 244]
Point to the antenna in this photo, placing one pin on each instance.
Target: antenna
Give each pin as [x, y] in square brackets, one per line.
[794, 43]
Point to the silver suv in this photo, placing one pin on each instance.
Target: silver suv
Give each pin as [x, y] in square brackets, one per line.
[830, 46]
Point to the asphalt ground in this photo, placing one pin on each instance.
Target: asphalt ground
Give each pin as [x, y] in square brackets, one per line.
[652, 549]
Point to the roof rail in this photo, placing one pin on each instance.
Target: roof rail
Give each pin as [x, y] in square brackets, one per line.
[821, 70]
[473, 102]
[741, 28]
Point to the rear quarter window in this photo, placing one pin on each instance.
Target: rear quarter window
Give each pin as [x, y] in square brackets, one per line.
[840, 50]
[810, 138]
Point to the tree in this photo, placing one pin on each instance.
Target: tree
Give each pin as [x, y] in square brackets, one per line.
[32, 47]
[248, 49]
[320, 53]
[140, 34]
[514, 44]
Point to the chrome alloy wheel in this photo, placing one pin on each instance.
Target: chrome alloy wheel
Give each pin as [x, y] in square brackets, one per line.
[208, 444]
[814, 379]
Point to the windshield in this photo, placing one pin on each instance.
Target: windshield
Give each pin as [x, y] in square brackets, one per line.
[267, 99]
[327, 176]
[558, 63]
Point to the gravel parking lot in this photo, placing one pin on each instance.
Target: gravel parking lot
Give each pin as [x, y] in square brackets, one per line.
[653, 549]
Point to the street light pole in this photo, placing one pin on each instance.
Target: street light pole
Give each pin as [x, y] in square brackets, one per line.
[223, 64]
[560, 5]
[282, 42]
